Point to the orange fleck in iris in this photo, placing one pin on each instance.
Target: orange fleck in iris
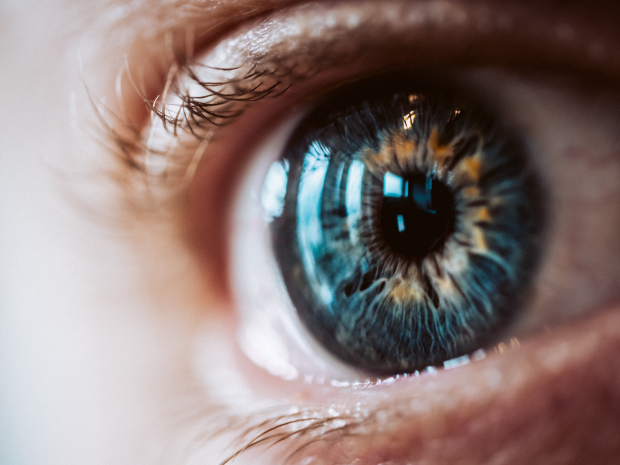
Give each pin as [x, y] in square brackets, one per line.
[442, 152]
[374, 160]
[445, 284]
[404, 291]
[471, 165]
[479, 241]
[471, 191]
[483, 214]
[403, 151]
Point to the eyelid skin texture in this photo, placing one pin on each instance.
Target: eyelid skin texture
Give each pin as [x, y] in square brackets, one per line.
[300, 42]
[552, 399]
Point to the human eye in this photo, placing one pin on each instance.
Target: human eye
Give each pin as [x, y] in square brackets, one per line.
[483, 81]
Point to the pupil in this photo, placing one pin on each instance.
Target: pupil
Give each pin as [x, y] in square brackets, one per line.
[417, 214]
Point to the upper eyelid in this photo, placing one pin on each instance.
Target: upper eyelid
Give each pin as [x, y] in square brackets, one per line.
[270, 61]
[253, 73]
[250, 49]
[157, 45]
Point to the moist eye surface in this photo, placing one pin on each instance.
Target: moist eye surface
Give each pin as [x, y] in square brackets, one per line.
[406, 223]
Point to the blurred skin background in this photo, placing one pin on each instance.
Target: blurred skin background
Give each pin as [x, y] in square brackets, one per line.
[117, 320]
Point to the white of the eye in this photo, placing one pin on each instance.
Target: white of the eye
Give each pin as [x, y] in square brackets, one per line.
[270, 333]
[274, 190]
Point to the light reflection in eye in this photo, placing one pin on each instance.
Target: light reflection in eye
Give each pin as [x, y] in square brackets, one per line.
[409, 118]
[274, 190]
[393, 185]
[353, 200]
[310, 189]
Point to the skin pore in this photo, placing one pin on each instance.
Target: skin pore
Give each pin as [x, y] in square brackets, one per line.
[117, 321]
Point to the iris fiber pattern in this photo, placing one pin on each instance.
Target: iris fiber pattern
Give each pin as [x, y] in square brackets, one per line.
[410, 227]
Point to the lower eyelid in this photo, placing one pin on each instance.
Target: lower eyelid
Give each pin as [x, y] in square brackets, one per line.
[528, 387]
[529, 403]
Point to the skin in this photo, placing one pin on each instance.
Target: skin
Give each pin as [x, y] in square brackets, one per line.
[117, 325]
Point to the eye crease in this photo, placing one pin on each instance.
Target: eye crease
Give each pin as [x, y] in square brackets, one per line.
[405, 241]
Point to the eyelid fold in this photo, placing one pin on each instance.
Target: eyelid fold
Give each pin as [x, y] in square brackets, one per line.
[266, 56]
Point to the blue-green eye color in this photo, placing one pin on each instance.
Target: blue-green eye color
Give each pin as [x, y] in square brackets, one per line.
[410, 226]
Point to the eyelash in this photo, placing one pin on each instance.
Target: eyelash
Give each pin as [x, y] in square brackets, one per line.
[145, 186]
[305, 428]
[244, 91]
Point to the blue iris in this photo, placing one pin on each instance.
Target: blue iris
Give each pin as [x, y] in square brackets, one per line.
[410, 226]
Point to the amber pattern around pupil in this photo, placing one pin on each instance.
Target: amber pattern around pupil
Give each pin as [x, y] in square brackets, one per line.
[408, 229]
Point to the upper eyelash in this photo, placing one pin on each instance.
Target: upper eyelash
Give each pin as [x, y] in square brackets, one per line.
[199, 116]
[216, 107]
